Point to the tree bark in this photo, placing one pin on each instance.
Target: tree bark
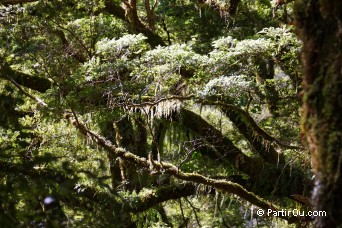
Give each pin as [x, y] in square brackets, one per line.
[320, 27]
[257, 141]
[267, 178]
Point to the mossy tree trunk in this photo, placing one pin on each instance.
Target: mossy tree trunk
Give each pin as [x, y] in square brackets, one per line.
[320, 27]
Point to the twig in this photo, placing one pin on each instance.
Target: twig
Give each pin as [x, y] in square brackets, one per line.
[194, 210]
[38, 100]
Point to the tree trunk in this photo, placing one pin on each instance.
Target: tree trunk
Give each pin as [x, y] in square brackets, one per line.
[320, 27]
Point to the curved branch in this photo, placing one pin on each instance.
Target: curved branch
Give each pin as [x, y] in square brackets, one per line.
[248, 122]
[254, 134]
[226, 151]
[168, 168]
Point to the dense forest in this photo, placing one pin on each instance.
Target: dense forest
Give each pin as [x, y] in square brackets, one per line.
[170, 113]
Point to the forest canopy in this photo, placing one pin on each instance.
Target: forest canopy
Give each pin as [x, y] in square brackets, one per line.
[130, 113]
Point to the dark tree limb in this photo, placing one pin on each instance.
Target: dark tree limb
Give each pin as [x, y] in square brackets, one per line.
[36, 99]
[33, 82]
[227, 152]
[268, 178]
[249, 122]
[254, 134]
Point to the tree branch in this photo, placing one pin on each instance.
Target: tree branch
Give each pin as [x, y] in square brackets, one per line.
[249, 123]
[39, 101]
[168, 168]
[33, 82]
[226, 151]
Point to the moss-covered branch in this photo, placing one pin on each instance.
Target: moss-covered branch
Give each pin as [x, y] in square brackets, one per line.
[268, 178]
[227, 152]
[168, 168]
[254, 134]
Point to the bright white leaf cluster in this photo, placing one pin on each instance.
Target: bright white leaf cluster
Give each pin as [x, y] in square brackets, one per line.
[124, 48]
[224, 43]
[228, 85]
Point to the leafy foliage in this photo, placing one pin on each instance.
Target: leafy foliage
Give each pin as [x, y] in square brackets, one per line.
[218, 103]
